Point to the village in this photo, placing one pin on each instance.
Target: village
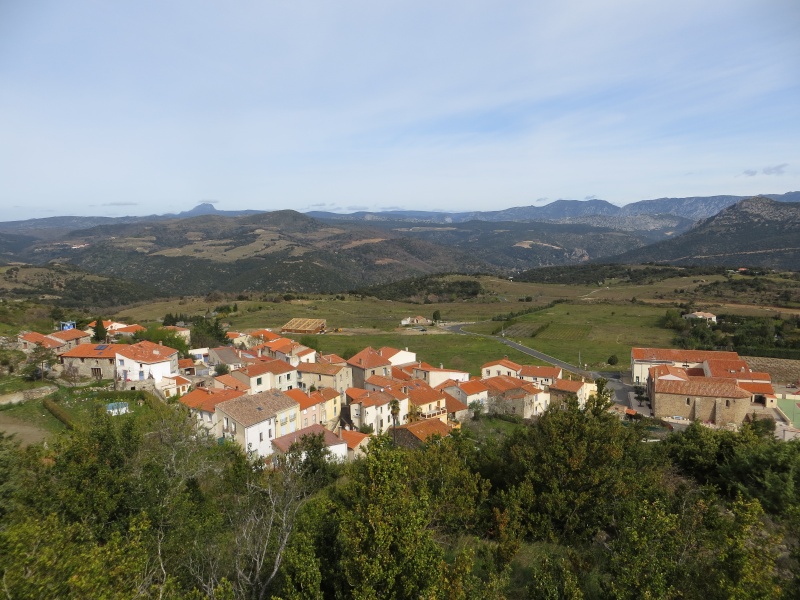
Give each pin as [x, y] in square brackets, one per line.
[264, 391]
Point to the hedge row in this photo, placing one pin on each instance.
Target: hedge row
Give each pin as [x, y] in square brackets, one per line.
[59, 413]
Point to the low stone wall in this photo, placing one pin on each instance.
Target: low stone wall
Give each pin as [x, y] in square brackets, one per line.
[19, 397]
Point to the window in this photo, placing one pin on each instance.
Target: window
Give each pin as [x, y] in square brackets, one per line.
[260, 436]
[727, 403]
[258, 381]
[305, 422]
[688, 402]
[269, 433]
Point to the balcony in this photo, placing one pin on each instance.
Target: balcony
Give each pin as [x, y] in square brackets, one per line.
[436, 412]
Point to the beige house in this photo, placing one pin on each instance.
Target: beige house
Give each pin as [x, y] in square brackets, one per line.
[564, 388]
[322, 406]
[510, 395]
[504, 367]
[357, 443]
[539, 375]
[91, 360]
[267, 375]
[467, 392]
[435, 376]
[323, 375]
[367, 363]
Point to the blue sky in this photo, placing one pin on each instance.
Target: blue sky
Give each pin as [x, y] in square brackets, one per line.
[115, 108]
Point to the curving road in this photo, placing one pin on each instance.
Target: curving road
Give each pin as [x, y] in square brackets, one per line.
[529, 351]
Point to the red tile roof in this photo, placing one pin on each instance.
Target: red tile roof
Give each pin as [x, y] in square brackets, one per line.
[701, 386]
[306, 400]
[276, 367]
[146, 352]
[454, 404]
[34, 337]
[135, 328]
[473, 386]
[679, 355]
[368, 358]
[353, 438]
[185, 363]
[93, 351]
[539, 371]
[70, 334]
[285, 442]
[422, 430]
[567, 385]
[755, 387]
[265, 334]
[503, 362]
[206, 399]
[318, 368]
[229, 381]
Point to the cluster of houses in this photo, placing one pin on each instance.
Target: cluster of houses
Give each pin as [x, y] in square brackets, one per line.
[716, 388]
[264, 391]
[278, 390]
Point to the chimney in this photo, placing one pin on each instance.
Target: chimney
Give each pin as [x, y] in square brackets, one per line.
[441, 365]
[160, 343]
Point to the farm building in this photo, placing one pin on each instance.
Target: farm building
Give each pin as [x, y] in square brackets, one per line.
[304, 326]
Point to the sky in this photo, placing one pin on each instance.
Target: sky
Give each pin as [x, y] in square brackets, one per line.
[145, 107]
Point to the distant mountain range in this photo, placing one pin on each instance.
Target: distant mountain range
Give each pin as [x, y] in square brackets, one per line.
[206, 249]
[754, 232]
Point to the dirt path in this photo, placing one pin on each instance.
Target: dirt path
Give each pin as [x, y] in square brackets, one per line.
[24, 432]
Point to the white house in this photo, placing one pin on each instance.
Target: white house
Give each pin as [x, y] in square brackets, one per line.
[145, 361]
[254, 420]
[267, 375]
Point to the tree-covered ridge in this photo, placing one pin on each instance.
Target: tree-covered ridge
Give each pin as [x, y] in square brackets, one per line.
[600, 274]
[777, 336]
[574, 505]
[429, 288]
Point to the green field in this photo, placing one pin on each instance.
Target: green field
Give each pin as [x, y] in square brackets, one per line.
[462, 352]
[34, 413]
[595, 330]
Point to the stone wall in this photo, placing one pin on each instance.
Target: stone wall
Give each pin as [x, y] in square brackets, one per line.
[22, 396]
[720, 411]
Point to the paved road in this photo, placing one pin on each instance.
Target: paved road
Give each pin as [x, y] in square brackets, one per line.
[529, 351]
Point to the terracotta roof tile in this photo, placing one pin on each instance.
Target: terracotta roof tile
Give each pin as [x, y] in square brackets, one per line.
[146, 352]
[353, 438]
[701, 386]
[679, 355]
[285, 442]
[422, 430]
[206, 399]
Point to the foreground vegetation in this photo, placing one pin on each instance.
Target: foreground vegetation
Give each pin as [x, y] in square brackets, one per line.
[572, 506]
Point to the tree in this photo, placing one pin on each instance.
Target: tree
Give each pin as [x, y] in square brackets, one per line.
[612, 360]
[394, 409]
[437, 316]
[221, 369]
[100, 332]
[39, 362]
[384, 546]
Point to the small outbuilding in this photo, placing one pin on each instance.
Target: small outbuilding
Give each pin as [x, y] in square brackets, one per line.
[311, 326]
